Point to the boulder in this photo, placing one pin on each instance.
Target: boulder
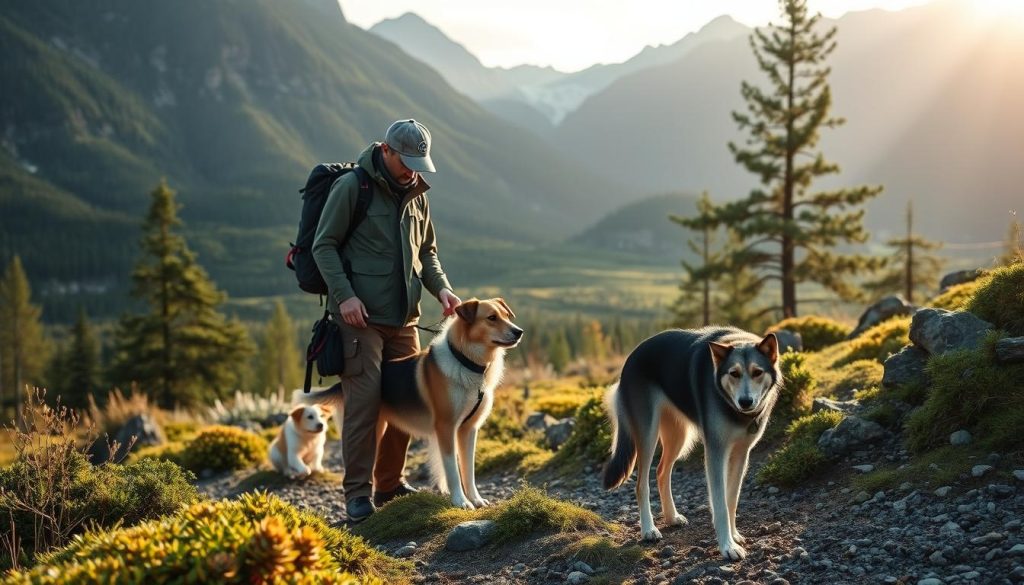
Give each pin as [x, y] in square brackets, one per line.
[789, 340]
[890, 306]
[851, 433]
[539, 421]
[470, 535]
[959, 277]
[141, 428]
[960, 438]
[1010, 350]
[904, 367]
[938, 331]
[558, 433]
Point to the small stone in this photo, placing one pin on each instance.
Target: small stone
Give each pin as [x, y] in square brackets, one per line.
[990, 538]
[960, 438]
[405, 551]
[583, 568]
[981, 470]
[970, 576]
[773, 490]
[667, 552]
[1019, 474]
[930, 581]
[861, 497]
[577, 577]
[864, 468]
[936, 558]
[470, 535]
[943, 491]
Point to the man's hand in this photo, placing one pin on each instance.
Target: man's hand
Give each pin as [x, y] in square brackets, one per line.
[448, 301]
[353, 312]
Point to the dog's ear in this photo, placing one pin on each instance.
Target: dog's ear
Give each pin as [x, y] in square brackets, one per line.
[325, 410]
[769, 346]
[719, 352]
[467, 310]
[505, 306]
[297, 412]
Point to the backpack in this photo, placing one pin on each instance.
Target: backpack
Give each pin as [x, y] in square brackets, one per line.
[314, 196]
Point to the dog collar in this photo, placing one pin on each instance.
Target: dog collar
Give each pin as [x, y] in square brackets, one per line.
[465, 361]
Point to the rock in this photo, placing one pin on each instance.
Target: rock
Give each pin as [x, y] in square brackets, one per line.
[1010, 350]
[850, 433]
[930, 581]
[960, 438]
[539, 421]
[1016, 550]
[938, 331]
[890, 306]
[405, 551]
[861, 497]
[577, 577]
[583, 568]
[959, 277]
[943, 491]
[980, 470]
[824, 404]
[1019, 474]
[990, 538]
[558, 433]
[904, 367]
[470, 535]
[143, 427]
[789, 340]
[936, 558]
[864, 468]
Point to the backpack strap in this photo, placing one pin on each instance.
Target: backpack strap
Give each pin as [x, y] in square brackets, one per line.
[362, 203]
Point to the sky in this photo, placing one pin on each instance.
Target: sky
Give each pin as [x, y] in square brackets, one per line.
[573, 34]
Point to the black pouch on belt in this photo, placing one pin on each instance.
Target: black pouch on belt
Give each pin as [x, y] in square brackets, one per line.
[326, 348]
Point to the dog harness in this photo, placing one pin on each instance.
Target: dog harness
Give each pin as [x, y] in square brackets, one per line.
[472, 367]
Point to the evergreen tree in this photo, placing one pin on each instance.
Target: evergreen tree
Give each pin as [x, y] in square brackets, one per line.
[694, 302]
[594, 343]
[910, 267]
[789, 232]
[558, 351]
[183, 350]
[24, 350]
[81, 366]
[279, 359]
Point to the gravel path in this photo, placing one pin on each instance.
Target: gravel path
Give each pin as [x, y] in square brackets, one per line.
[824, 532]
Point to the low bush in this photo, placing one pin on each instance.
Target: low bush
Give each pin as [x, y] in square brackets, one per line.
[956, 297]
[816, 332]
[562, 403]
[848, 378]
[970, 391]
[223, 448]
[591, 438]
[246, 407]
[256, 539]
[521, 455]
[877, 343]
[799, 458]
[796, 394]
[999, 298]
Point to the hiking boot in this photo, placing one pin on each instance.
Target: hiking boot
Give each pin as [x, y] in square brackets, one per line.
[359, 509]
[403, 489]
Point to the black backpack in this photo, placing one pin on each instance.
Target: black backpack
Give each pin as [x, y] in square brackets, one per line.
[314, 196]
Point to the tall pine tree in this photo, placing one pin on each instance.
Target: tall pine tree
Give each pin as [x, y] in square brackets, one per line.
[79, 366]
[694, 302]
[183, 351]
[911, 267]
[278, 361]
[24, 350]
[789, 232]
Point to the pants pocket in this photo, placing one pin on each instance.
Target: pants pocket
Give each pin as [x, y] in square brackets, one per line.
[352, 350]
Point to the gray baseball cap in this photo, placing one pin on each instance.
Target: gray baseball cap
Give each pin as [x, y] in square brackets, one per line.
[412, 141]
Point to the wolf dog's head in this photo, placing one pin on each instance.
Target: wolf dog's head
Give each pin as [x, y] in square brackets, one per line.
[747, 373]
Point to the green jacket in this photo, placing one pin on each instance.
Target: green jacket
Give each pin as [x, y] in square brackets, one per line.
[392, 254]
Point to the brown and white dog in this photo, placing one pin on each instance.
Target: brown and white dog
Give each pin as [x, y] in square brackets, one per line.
[298, 449]
[446, 392]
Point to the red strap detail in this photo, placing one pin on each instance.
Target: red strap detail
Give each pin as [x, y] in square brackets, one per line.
[288, 258]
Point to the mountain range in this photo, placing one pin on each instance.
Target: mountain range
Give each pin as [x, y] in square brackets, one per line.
[232, 103]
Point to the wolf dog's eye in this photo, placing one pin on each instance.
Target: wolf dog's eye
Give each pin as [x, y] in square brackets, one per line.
[734, 374]
[757, 373]
[492, 318]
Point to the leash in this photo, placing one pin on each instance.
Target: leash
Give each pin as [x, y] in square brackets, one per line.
[435, 328]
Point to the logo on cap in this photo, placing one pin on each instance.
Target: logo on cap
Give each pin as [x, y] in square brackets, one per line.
[422, 147]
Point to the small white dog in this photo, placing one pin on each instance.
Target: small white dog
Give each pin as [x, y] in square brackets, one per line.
[298, 449]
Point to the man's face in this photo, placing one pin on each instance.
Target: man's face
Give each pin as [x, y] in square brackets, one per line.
[403, 174]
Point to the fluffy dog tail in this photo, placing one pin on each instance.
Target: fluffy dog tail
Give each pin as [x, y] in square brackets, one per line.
[623, 458]
[331, 397]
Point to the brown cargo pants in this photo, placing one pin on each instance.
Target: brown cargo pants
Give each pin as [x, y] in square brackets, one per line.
[365, 349]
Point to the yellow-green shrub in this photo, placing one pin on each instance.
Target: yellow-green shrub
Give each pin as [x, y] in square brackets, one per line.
[856, 375]
[796, 394]
[800, 457]
[815, 332]
[999, 298]
[180, 431]
[222, 448]
[970, 391]
[521, 455]
[591, 438]
[956, 297]
[877, 343]
[561, 403]
[256, 539]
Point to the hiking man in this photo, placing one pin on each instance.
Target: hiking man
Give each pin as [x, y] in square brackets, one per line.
[374, 285]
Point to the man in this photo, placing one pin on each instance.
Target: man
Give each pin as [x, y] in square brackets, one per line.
[374, 285]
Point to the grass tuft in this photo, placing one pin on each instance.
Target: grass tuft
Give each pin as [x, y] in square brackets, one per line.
[816, 332]
[800, 457]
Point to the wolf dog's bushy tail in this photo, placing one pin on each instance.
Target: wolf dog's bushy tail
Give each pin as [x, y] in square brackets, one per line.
[623, 458]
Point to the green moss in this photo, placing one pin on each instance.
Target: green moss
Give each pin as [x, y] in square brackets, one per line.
[999, 298]
[800, 457]
[856, 375]
[970, 391]
[816, 332]
[258, 538]
[409, 516]
[877, 343]
[590, 441]
[956, 297]
[885, 413]
[942, 466]
[523, 456]
[797, 393]
[601, 551]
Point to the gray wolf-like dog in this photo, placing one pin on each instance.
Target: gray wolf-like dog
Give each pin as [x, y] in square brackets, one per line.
[718, 384]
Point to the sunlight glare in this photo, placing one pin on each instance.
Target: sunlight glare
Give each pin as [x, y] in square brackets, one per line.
[1012, 10]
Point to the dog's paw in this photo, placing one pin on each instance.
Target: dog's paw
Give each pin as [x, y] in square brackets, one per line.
[480, 502]
[677, 520]
[739, 538]
[652, 535]
[462, 503]
[733, 552]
